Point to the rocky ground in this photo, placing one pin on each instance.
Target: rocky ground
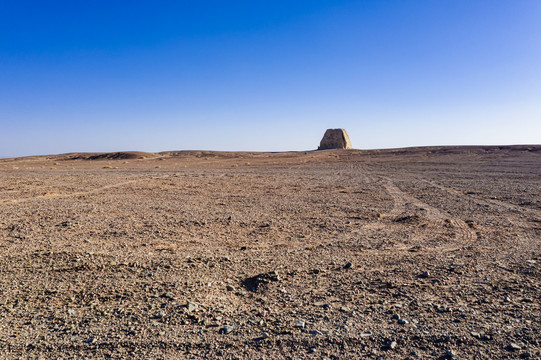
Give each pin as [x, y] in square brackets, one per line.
[422, 253]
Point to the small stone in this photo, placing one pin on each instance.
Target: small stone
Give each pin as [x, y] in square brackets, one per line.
[396, 317]
[265, 335]
[424, 274]
[168, 295]
[227, 329]
[475, 335]
[450, 354]
[403, 322]
[316, 332]
[191, 306]
[348, 265]
[160, 315]
[366, 334]
[299, 324]
[391, 345]
[230, 288]
[514, 347]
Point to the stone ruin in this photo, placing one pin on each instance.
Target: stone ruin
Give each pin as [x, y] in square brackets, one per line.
[335, 139]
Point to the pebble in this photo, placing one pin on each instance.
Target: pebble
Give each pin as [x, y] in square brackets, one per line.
[160, 315]
[230, 288]
[514, 347]
[348, 265]
[391, 345]
[299, 324]
[424, 274]
[316, 332]
[227, 329]
[475, 335]
[168, 295]
[191, 306]
[403, 322]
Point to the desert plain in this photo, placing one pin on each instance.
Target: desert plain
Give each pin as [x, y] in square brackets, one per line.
[417, 253]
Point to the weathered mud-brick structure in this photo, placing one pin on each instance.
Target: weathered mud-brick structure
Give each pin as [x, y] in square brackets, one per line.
[335, 139]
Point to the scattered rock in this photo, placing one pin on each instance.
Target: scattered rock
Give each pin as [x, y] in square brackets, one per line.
[168, 295]
[230, 288]
[227, 329]
[391, 345]
[424, 275]
[191, 307]
[299, 324]
[514, 347]
[260, 281]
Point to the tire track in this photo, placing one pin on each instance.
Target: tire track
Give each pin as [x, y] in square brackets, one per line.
[485, 201]
[62, 196]
[431, 213]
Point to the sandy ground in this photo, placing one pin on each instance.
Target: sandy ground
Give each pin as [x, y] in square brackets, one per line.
[421, 253]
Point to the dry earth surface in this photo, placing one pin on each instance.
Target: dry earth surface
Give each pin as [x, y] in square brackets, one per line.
[420, 253]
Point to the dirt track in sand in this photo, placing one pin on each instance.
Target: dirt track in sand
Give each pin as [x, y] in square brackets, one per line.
[139, 255]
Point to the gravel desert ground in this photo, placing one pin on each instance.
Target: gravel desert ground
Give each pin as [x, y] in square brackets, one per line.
[418, 253]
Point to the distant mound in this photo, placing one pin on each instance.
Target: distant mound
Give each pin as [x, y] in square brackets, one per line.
[123, 155]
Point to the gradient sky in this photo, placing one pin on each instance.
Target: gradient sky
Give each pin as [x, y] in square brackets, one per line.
[267, 75]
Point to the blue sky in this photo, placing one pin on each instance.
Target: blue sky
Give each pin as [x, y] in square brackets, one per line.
[267, 75]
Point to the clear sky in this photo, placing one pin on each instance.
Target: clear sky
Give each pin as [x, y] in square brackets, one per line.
[267, 75]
